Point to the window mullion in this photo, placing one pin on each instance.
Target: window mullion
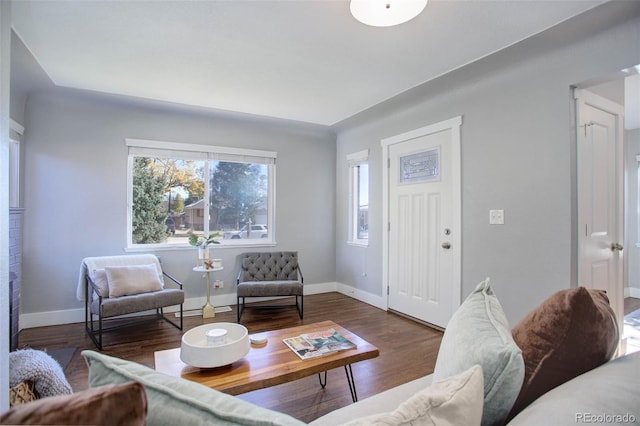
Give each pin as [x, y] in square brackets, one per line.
[207, 197]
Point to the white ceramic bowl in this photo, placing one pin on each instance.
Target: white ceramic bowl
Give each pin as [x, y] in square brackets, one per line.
[197, 352]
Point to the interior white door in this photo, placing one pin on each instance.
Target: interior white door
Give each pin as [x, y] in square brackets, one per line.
[424, 222]
[600, 195]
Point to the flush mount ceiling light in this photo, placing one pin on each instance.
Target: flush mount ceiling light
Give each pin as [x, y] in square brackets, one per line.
[385, 13]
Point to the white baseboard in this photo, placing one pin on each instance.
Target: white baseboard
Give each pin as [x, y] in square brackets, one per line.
[632, 292]
[42, 319]
[363, 296]
[70, 316]
[320, 288]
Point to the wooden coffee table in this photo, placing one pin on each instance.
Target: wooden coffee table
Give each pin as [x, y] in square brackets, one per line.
[270, 364]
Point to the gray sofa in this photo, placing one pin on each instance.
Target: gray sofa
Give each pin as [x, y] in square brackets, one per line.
[609, 394]
[554, 367]
[605, 395]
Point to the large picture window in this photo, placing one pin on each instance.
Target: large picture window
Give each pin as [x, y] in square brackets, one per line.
[176, 190]
[358, 197]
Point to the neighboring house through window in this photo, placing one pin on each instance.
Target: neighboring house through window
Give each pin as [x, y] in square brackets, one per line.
[176, 190]
[358, 197]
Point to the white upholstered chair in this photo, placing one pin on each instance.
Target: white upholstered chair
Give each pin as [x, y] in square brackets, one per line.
[112, 286]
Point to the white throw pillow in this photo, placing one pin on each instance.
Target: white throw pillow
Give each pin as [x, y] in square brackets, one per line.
[478, 333]
[99, 278]
[454, 401]
[134, 279]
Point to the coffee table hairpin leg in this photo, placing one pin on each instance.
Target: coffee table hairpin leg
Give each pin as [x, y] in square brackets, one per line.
[352, 383]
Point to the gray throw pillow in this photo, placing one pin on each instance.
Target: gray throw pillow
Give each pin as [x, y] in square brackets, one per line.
[175, 401]
[478, 333]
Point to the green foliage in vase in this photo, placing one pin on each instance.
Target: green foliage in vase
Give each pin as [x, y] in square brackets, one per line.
[201, 241]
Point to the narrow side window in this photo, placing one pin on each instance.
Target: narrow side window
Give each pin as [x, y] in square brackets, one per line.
[358, 198]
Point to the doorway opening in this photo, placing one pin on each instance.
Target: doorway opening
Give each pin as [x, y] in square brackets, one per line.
[621, 88]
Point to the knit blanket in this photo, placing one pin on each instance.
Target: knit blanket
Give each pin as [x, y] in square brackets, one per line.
[38, 366]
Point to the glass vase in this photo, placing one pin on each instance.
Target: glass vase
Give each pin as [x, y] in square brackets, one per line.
[203, 254]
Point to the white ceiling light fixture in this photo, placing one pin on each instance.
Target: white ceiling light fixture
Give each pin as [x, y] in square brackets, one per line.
[386, 13]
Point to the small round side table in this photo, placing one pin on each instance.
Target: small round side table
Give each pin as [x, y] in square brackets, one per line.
[208, 311]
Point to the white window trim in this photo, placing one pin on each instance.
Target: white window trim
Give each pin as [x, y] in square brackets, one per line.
[139, 147]
[353, 160]
[637, 218]
[14, 163]
[14, 172]
[177, 146]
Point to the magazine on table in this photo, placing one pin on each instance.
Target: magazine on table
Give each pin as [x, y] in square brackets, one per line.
[312, 345]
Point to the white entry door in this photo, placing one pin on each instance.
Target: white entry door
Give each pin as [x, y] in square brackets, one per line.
[423, 222]
[600, 195]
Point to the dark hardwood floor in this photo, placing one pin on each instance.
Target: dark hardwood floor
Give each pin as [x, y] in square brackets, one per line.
[408, 350]
[631, 304]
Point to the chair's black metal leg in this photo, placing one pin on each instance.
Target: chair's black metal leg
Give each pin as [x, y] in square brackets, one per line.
[323, 383]
[173, 323]
[299, 305]
[352, 383]
[100, 329]
[88, 319]
[90, 329]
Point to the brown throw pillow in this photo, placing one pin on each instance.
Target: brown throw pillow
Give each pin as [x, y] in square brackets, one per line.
[570, 333]
[106, 405]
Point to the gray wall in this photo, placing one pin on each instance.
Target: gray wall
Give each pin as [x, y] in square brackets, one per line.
[517, 155]
[76, 184]
[26, 76]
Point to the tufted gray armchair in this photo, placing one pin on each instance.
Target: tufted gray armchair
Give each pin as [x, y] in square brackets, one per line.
[270, 274]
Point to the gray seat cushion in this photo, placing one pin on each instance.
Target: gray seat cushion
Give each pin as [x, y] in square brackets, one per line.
[115, 306]
[269, 288]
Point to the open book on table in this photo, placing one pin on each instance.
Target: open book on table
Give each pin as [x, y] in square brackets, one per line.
[312, 345]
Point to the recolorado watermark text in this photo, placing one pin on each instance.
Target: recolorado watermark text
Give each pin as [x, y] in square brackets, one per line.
[605, 418]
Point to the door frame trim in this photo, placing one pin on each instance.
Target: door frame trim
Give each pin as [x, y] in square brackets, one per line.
[452, 124]
[586, 97]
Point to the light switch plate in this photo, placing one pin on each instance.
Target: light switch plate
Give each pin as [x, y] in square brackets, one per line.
[496, 217]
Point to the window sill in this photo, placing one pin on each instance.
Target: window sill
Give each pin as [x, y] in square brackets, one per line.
[358, 244]
[155, 247]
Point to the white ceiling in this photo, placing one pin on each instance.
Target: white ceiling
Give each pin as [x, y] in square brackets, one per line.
[305, 60]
